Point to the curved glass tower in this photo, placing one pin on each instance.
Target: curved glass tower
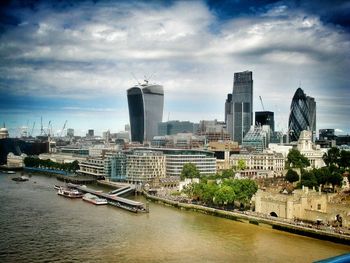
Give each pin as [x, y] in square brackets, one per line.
[145, 111]
[302, 114]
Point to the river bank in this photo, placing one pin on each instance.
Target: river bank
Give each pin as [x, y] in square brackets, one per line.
[256, 220]
[61, 175]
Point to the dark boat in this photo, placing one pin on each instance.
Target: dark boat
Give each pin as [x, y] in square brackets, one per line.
[20, 179]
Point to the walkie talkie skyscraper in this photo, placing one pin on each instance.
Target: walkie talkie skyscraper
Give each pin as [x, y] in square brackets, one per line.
[146, 102]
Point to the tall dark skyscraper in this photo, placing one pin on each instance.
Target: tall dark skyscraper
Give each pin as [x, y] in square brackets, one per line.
[239, 117]
[302, 115]
[146, 102]
[265, 118]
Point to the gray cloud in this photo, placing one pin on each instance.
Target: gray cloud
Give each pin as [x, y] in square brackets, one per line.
[93, 49]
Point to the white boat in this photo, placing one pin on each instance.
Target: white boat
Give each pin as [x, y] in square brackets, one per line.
[94, 199]
[71, 193]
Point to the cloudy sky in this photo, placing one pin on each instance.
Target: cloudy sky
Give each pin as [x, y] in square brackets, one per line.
[75, 60]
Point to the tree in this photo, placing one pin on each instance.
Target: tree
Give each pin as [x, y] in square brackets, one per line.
[241, 165]
[308, 179]
[344, 159]
[244, 189]
[224, 195]
[292, 176]
[189, 170]
[335, 179]
[332, 157]
[297, 160]
[227, 173]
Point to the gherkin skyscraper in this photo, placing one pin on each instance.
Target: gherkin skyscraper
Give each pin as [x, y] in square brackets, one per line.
[302, 115]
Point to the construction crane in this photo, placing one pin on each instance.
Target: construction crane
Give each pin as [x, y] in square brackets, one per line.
[48, 128]
[64, 126]
[262, 103]
[41, 126]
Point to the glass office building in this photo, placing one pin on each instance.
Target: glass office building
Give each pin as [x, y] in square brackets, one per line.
[146, 102]
[239, 115]
[302, 115]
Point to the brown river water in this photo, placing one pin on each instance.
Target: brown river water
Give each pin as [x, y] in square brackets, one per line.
[37, 225]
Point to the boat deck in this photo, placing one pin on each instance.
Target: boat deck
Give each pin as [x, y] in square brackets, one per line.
[115, 200]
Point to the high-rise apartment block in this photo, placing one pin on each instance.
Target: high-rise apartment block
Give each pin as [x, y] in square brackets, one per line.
[302, 115]
[239, 107]
[146, 103]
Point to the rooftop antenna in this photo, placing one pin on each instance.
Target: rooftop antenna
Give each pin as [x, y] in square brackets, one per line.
[31, 133]
[138, 82]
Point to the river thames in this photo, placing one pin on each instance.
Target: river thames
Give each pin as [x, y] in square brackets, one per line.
[37, 225]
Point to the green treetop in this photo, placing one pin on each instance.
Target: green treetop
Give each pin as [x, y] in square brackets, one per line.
[297, 160]
[189, 170]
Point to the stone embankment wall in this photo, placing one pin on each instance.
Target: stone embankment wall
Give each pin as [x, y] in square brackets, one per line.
[253, 219]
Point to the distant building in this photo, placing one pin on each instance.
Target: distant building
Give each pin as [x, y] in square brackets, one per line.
[239, 117]
[146, 103]
[90, 133]
[270, 163]
[18, 146]
[61, 157]
[257, 138]
[93, 166]
[116, 167]
[144, 166]
[179, 141]
[222, 151]
[265, 118]
[213, 130]
[310, 150]
[205, 164]
[326, 134]
[302, 115]
[70, 132]
[175, 127]
[228, 113]
[106, 136]
[15, 161]
[302, 204]
[4, 133]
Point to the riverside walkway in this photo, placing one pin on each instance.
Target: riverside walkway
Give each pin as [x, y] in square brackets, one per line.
[278, 224]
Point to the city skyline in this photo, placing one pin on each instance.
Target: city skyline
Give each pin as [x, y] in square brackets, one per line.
[75, 61]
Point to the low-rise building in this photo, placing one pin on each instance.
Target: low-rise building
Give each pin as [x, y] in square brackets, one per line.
[179, 141]
[261, 162]
[61, 157]
[15, 161]
[175, 162]
[257, 138]
[311, 151]
[303, 204]
[93, 166]
[222, 151]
